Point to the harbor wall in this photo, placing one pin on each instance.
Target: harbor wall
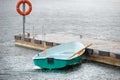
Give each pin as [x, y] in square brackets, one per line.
[103, 56]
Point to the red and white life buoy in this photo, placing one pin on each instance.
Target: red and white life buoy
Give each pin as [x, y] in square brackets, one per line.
[24, 2]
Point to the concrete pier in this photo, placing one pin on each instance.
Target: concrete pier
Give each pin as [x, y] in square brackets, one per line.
[103, 51]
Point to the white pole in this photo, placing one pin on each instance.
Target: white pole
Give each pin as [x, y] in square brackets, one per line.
[33, 32]
[43, 36]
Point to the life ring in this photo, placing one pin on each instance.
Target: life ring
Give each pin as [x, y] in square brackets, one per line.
[23, 2]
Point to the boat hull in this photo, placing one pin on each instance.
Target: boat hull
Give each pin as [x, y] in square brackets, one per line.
[59, 56]
[51, 63]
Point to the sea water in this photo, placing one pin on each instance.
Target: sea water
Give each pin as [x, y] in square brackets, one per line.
[90, 18]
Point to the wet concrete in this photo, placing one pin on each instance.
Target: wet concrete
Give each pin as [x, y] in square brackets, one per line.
[103, 45]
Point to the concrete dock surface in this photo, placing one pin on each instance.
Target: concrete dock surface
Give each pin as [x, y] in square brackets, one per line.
[103, 45]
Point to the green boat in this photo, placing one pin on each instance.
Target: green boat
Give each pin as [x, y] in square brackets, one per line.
[60, 56]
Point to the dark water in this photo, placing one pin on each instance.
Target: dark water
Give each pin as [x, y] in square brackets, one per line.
[91, 18]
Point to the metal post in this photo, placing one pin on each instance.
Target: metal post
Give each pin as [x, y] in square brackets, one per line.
[33, 32]
[44, 43]
[24, 21]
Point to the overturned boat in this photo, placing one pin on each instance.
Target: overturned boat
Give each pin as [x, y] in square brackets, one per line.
[60, 56]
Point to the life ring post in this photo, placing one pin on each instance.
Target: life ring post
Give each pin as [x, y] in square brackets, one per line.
[24, 12]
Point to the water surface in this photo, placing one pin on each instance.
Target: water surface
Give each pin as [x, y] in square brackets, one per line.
[90, 18]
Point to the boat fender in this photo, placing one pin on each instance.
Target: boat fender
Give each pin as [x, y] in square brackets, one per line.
[117, 56]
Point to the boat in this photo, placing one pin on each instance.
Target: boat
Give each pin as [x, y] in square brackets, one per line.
[60, 56]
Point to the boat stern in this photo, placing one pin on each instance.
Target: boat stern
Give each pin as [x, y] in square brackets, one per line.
[50, 63]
